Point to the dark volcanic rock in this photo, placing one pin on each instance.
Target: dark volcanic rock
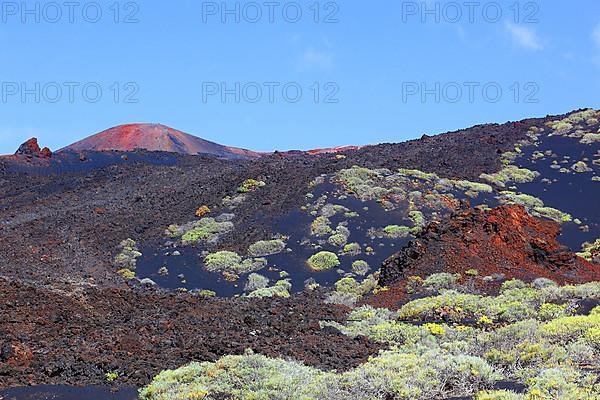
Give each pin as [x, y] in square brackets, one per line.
[51, 337]
[31, 148]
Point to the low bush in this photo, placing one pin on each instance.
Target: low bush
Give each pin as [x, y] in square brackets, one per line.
[591, 251]
[250, 185]
[391, 375]
[437, 282]
[568, 329]
[352, 249]
[206, 230]
[339, 237]
[230, 262]
[128, 255]
[323, 261]
[255, 282]
[511, 174]
[266, 248]
[360, 267]
[321, 226]
[397, 231]
[280, 289]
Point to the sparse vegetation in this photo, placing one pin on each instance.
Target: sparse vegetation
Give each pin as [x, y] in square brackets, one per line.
[323, 261]
[339, 237]
[352, 249]
[207, 230]
[321, 226]
[250, 185]
[591, 251]
[280, 289]
[511, 174]
[266, 248]
[232, 263]
[534, 206]
[255, 282]
[397, 231]
[128, 255]
[111, 376]
[360, 267]
[348, 290]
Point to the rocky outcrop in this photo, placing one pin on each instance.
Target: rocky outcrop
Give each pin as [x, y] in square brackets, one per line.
[505, 241]
[31, 148]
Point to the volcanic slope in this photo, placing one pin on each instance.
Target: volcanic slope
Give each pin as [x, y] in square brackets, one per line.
[155, 137]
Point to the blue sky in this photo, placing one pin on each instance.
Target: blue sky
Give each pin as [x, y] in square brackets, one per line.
[362, 74]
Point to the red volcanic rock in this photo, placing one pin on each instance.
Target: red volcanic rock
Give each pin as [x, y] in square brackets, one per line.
[155, 137]
[505, 240]
[31, 148]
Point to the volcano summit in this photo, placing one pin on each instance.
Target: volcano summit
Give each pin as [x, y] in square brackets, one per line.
[156, 137]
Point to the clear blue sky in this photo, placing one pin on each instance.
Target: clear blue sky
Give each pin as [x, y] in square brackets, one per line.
[377, 54]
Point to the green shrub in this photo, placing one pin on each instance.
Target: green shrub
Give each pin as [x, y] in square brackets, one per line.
[321, 226]
[238, 377]
[266, 248]
[541, 283]
[415, 173]
[128, 255]
[390, 375]
[553, 214]
[228, 261]
[511, 174]
[475, 187]
[591, 251]
[280, 289]
[511, 306]
[207, 293]
[126, 273]
[525, 200]
[348, 291]
[590, 138]
[397, 231]
[560, 126]
[361, 321]
[329, 210]
[111, 376]
[568, 329]
[366, 184]
[340, 236]
[250, 185]
[451, 305]
[347, 285]
[255, 282]
[512, 284]
[206, 229]
[562, 383]
[429, 361]
[323, 261]
[581, 167]
[549, 311]
[352, 249]
[437, 282]
[431, 375]
[418, 220]
[360, 267]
